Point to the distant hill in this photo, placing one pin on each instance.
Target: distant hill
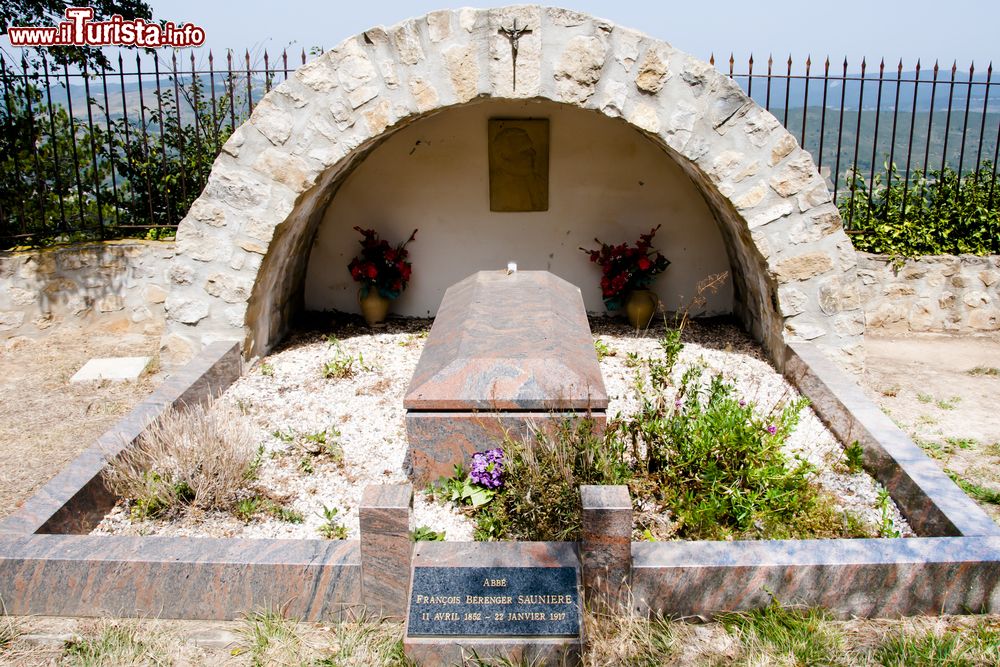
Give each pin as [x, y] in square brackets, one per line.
[921, 152]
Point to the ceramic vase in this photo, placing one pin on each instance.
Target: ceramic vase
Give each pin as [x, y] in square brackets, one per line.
[374, 307]
[640, 305]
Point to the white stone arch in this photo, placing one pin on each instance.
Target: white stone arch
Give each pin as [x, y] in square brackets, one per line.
[243, 247]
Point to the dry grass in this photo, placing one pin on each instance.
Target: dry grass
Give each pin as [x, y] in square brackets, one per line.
[44, 420]
[366, 640]
[201, 456]
[9, 630]
[625, 639]
[270, 638]
[117, 643]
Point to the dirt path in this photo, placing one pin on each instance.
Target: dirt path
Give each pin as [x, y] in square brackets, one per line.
[44, 420]
[942, 390]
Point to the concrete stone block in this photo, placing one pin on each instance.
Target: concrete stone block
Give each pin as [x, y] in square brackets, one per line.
[386, 547]
[111, 368]
[606, 547]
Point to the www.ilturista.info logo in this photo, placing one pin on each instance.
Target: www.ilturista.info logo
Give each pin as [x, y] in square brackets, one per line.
[80, 30]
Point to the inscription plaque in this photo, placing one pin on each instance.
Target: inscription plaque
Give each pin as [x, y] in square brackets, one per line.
[494, 602]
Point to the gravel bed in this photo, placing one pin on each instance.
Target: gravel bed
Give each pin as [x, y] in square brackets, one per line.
[286, 397]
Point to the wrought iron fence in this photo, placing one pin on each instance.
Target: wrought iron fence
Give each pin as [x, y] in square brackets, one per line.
[123, 152]
[100, 154]
[882, 123]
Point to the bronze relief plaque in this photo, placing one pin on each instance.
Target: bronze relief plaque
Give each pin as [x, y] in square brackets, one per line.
[519, 164]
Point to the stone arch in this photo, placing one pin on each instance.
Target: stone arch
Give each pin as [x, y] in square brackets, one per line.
[242, 249]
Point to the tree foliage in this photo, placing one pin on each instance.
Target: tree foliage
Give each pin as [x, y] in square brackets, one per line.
[933, 214]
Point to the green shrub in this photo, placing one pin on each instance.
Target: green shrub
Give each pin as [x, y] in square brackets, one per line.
[696, 452]
[718, 467]
[540, 496]
[933, 215]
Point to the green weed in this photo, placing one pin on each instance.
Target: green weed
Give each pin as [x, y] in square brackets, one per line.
[461, 490]
[247, 508]
[934, 449]
[283, 436]
[603, 350]
[973, 490]
[253, 469]
[925, 398]
[984, 370]
[332, 529]
[854, 455]
[950, 403]
[267, 370]
[540, 497]
[343, 365]
[325, 443]
[426, 534]
[283, 512]
[961, 443]
[884, 502]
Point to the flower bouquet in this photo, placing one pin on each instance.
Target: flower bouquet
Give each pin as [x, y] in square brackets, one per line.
[381, 266]
[625, 268]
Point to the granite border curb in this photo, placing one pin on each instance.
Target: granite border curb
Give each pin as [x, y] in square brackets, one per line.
[48, 567]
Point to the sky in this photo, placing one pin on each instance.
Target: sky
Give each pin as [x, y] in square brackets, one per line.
[962, 30]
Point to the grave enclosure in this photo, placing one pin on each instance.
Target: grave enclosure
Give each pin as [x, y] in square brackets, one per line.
[794, 288]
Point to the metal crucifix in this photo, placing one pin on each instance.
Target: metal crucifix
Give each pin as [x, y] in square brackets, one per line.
[514, 35]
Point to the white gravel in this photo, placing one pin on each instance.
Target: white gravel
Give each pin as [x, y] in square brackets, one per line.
[286, 397]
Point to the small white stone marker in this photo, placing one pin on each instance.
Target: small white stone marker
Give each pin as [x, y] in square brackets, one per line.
[112, 368]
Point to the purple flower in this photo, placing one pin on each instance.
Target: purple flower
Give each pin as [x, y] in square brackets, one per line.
[772, 429]
[743, 403]
[487, 468]
[677, 403]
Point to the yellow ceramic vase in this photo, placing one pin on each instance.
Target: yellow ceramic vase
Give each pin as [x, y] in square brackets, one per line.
[374, 307]
[640, 306]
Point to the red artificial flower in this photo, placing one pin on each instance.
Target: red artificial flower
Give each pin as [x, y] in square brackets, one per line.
[371, 271]
[644, 263]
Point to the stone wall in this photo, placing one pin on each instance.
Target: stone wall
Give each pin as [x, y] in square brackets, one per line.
[938, 293]
[117, 286]
[246, 240]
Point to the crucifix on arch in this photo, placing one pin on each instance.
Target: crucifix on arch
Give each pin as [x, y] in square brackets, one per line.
[514, 34]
